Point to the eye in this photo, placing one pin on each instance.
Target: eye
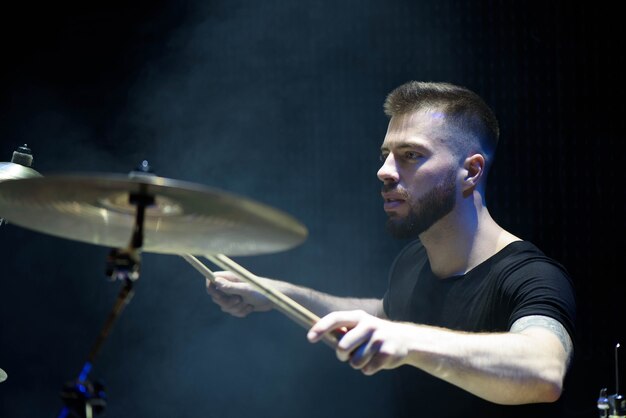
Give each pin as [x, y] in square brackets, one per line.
[383, 157]
[411, 155]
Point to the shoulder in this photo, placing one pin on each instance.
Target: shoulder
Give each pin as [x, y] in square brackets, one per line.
[523, 259]
[542, 288]
[522, 267]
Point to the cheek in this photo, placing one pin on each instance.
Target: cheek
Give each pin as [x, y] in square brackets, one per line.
[432, 176]
[423, 178]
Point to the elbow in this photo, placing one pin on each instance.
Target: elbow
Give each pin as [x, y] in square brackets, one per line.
[541, 389]
[550, 393]
[550, 387]
[548, 384]
[545, 391]
[531, 393]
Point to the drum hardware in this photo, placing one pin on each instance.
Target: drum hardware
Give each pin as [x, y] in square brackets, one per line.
[23, 156]
[612, 406]
[185, 218]
[161, 216]
[18, 168]
[82, 398]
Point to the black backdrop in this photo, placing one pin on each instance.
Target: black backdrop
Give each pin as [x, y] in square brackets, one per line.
[280, 101]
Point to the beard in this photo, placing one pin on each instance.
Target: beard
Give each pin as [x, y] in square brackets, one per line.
[427, 210]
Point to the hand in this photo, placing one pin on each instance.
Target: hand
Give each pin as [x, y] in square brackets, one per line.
[236, 297]
[371, 344]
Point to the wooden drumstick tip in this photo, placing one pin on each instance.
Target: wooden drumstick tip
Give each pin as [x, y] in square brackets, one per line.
[198, 265]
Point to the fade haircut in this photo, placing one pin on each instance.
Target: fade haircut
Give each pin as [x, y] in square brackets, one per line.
[460, 106]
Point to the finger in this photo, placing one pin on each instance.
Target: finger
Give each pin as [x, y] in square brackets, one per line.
[242, 310]
[332, 322]
[359, 356]
[217, 286]
[211, 287]
[353, 346]
[228, 286]
[378, 362]
[226, 275]
[367, 357]
[224, 299]
[231, 301]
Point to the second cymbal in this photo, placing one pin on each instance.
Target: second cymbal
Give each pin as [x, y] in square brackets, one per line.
[185, 217]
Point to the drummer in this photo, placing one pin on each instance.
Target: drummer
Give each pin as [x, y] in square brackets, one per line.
[483, 319]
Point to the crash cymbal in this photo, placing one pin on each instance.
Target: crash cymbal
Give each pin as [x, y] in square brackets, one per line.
[11, 171]
[185, 217]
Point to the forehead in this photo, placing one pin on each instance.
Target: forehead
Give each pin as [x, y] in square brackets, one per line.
[426, 128]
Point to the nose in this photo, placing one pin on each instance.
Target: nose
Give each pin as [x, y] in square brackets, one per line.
[388, 172]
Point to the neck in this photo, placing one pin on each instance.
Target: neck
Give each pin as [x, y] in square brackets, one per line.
[463, 239]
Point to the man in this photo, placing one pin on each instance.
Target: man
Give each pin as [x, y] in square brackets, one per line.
[480, 321]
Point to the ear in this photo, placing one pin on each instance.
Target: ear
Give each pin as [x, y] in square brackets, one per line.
[475, 167]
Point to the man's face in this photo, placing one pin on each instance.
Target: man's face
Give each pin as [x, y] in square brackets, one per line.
[419, 173]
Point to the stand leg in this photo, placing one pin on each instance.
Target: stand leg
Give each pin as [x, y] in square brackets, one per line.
[83, 399]
[123, 298]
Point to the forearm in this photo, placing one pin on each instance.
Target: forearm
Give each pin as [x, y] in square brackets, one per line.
[240, 298]
[322, 303]
[506, 368]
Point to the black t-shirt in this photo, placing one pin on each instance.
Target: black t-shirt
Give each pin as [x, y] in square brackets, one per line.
[517, 281]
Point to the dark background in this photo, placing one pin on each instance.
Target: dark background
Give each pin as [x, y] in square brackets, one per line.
[281, 101]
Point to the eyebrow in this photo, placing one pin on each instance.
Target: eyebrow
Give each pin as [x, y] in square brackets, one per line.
[404, 145]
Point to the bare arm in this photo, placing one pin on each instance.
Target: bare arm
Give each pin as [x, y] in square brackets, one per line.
[240, 299]
[525, 365]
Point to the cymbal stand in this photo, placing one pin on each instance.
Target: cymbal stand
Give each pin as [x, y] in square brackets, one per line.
[82, 398]
[612, 406]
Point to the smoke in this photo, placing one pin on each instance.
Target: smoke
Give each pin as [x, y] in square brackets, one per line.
[265, 100]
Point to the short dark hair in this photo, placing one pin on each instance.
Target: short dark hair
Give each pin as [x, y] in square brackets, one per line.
[460, 105]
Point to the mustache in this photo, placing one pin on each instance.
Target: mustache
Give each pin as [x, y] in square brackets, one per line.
[395, 187]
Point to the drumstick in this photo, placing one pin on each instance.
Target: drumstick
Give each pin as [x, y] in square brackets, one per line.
[205, 271]
[197, 264]
[282, 302]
